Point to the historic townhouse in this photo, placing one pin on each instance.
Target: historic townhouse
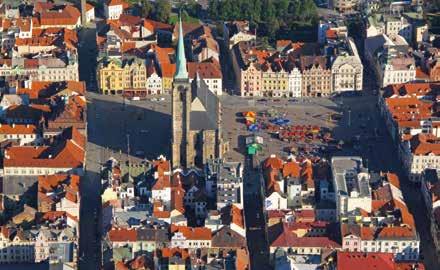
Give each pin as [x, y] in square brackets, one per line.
[347, 69]
[25, 134]
[128, 76]
[113, 9]
[43, 69]
[408, 111]
[16, 246]
[317, 76]
[274, 79]
[294, 81]
[390, 58]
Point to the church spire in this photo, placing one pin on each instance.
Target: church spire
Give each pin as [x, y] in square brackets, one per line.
[181, 72]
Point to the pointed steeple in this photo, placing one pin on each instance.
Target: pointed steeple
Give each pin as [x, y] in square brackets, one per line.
[181, 72]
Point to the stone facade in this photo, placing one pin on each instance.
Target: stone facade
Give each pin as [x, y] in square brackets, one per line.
[115, 76]
[317, 77]
[196, 135]
[180, 110]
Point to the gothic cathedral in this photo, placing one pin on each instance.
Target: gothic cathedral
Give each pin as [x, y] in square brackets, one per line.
[196, 117]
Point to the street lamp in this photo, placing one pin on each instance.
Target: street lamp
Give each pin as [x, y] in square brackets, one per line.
[349, 117]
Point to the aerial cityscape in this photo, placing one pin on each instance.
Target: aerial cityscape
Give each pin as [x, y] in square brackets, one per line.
[220, 134]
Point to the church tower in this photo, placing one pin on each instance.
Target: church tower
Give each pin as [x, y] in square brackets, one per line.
[180, 109]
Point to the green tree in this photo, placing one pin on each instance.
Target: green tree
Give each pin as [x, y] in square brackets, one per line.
[147, 8]
[213, 9]
[162, 11]
[193, 8]
[273, 17]
[281, 8]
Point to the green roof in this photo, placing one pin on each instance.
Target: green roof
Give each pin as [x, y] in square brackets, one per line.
[181, 72]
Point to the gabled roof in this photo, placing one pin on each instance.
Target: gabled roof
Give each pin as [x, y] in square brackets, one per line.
[280, 236]
[153, 26]
[208, 69]
[193, 233]
[227, 238]
[170, 252]
[424, 144]
[122, 235]
[237, 216]
[65, 154]
[68, 15]
[17, 129]
[273, 162]
[365, 261]
[118, 2]
[45, 89]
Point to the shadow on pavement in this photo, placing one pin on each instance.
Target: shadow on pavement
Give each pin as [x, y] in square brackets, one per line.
[110, 122]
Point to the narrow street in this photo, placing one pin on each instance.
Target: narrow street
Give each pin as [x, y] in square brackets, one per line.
[90, 236]
[254, 216]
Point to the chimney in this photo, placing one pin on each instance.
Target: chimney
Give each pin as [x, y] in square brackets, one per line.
[13, 125]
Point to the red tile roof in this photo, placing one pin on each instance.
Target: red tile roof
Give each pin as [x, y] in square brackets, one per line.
[168, 70]
[291, 169]
[121, 266]
[122, 235]
[53, 215]
[424, 144]
[67, 154]
[163, 54]
[46, 183]
[286, 238]
[68, 16]
[118, 2]
[24, 24]
[17, 129]
[365, 261]
[209, 69]
[190, 233]
[421, 75]
[409, 266]
[332, 34]
[410, 89]
[162, 168]
[396, 232]
[153, 26]
[237, 216]
[39, 89]
[170, 252]
[274, 163]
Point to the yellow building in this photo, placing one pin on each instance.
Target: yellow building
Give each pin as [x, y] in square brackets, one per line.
[116, 76]
[275, 83]
[168, 71]
[110, 77]
[135, 74]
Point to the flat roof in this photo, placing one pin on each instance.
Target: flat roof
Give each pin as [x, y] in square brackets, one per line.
[351, 164]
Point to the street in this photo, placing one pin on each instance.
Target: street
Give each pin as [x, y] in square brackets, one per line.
[89, 255]
[254, 215]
